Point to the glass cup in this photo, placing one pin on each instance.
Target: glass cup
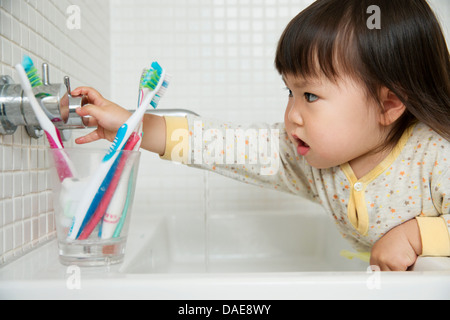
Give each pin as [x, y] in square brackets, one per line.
[103, 228]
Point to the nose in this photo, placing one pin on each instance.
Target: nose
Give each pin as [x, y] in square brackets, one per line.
[294, 114]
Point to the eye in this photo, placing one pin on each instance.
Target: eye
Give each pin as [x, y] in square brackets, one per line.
[311, 97]
[290, 92]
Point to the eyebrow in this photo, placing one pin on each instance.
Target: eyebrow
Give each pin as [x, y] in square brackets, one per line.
[301, 83]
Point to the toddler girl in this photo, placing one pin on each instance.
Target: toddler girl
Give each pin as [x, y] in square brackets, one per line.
[366, 131]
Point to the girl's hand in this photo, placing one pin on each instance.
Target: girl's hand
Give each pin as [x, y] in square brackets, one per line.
[105, 115]
[398, 249]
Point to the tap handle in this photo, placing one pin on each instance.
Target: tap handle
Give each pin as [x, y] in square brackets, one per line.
[67, 83]
[45, 74]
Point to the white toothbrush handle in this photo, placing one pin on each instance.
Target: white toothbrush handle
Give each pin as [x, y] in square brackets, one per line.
[90, 192]
[115, 208]
[44, 122]
[64, 166]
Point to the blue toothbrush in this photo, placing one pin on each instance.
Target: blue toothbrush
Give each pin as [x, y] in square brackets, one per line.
[154, 81]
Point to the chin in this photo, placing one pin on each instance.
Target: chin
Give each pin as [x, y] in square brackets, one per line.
[320, 164]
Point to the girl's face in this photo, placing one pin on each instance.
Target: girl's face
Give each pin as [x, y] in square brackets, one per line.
[332, 123]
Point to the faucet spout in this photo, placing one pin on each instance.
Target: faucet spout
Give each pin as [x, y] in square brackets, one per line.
[170, 112]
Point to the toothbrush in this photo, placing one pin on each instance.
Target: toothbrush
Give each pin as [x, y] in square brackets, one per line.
[112, 205]
[115, 216]
[118, 198]
[121, 223]
[118, 209]
[119, 174]
[114, 211]
[63, 164]
[101, 179]
[35, 81]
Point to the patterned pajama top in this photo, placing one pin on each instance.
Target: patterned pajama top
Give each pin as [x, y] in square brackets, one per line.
[413, 182]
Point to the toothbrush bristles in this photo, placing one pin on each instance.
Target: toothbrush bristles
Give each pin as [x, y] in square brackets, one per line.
[31, 72]
[141, 81]
[150, 79]
[161, 92]
[34, 78]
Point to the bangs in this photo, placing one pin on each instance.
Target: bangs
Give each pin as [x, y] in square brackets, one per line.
[319, 42]
[408, 55]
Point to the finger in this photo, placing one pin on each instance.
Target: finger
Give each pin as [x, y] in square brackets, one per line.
[90, 137]
[89, 110]
[378, 264]
[385, 267]
[93, 95]
[90, 122]
[397, 267]
[85, 91]
[376, 267]
[373, 261]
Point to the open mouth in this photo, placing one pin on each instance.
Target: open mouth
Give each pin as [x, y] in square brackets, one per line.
[302, 147]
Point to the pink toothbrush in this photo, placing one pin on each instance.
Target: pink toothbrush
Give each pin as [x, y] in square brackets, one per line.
[63, 164]
[104, 203]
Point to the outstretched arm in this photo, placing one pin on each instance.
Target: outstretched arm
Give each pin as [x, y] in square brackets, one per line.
[108, 117]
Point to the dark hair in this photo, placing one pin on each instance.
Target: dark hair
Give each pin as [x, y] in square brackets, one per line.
[408, 54]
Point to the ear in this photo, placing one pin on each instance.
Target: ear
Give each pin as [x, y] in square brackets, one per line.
[393, 107]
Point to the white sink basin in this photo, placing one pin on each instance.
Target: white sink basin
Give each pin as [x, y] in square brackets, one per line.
[241, 244]
[239, 257]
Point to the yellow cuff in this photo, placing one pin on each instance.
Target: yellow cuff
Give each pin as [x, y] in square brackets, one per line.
[177, 139]
[435, 236]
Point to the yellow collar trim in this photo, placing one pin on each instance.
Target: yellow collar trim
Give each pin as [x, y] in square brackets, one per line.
[357, 208]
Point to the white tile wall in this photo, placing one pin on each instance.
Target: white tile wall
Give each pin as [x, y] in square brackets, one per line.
[220, 53]
[38, 28]
[442, 10]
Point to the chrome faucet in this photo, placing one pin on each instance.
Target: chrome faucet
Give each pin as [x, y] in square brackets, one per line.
[56, 101]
